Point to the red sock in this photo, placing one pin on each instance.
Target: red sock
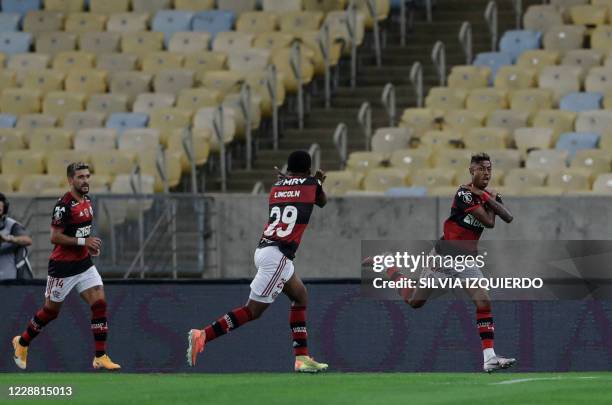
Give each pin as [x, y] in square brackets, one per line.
[36, 324]
[227, 322]
[394, 274]
[484, 321]
[299, 334]
[99, 326]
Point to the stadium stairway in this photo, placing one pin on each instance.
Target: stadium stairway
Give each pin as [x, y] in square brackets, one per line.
[397, 61]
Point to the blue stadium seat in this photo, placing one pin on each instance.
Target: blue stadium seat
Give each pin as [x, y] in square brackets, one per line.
[515, 42]
[15, 42]
[213, 21]
[578, 102]
[406, 192]
[171, 21]
[20, 6]
[9, 22]
[7, 120]
[124, 121]
[575, 141]
[493, 60]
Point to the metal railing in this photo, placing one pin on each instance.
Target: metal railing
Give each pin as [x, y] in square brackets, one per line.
[428, 9]
[351, 25]
[365, 121]
[416, 79]
[490, 16]
[258, 188]
[160, 163]
[272, 83]
[389, 102]
[315, 153]
[245, 108]
[189, 149]
[296, 67]
[518, 13]
[341, 142]
[373, 10]
[465, 39]
[438, 57]
[219, 133]
[325, 45]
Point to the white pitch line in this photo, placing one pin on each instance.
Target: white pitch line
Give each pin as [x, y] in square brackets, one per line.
[522, 380]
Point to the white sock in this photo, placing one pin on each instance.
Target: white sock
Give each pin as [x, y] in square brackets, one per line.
[487, 354]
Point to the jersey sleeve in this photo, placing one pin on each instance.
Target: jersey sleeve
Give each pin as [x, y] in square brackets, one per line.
[466, 201]
[61, 215]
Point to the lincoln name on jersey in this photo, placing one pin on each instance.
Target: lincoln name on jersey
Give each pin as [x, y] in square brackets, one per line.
[74, 218]
[291, 203]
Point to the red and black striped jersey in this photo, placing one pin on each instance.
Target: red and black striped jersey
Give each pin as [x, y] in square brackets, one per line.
[74, 218]
[291, 203]
[461, 225]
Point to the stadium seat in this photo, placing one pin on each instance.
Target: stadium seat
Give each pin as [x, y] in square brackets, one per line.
[469, 77]
[155, 62]
[338, 183]
[201, 146]
[22, 162]
[130, 83]
[117, 62]
[505, 159]
[589, 15]
[95, 139]
[20, 101]
[194, 5]
[531, 100]
[232, 41]
[68, 60]
[64, 6]
[189, 42]
[112, 163]
[21, 63]
[599, 121]
[296, 21]
[280, 6]
[202, 62]
[486, 138]
[431, 178]
[141, 43]
[213, 21]
[571, 142]
[233, 102]
[603, 184]
[107, 103]
[324, 5]
[108, 7]
[259, 86]
[524, 178]
[11, 139]
[363, 162]
[604, 3]
[257, 22]
[587, 59]
[249, 60]
[7, 183]
[171, 21]
[60, 103]
[601, 38]
[128, 22]
[515, 78]
[58, 160]
[515, 42]
[578, 102]
[8, 79]
[86, 81]
[599, 80]
[203, 124]
[388, 140]
[39, 21]
[100, 42]
[560, 79]
[420, 120]
[445, 98]
[411, 160]
[9, 22]
[173, 81]
[50, 139]
[122, 121]
[150, 6]
[564, 38]
[546, 160]
[557, 120]
[168, 119]
[20, 6]
[596, 161]
[541, 18]
[32, 121]
[486, 100]
[385, 178]
[337, 23]
[34, 184]
[146, 102]
[85, 22]
[569, 180]
[527, 139]
[7, 120]
[508, 119]
[273, 40]
[538, 59]
[453, 160]
[461, 121]
[434, 140]
[237, 6]
[77, 120]
[223, 81]
[15, 42]
[52, 43]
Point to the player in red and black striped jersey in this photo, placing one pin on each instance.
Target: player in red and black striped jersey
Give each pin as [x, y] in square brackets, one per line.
[291, 202]
[70, 266]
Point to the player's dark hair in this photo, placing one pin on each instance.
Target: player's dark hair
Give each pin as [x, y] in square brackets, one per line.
[480, 157]
[74, 167]
[299, 162]
[6, 204]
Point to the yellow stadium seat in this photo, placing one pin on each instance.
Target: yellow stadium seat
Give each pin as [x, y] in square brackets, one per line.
[58, 160]
[34, 184]
[570, 180]
[273, 40]
[237, 6]
[60, 103]
[233, 102]
[156, 61]
[146, 102]
[95, 139]
[112, 162]
[173, 81]
[598, 80]
[117, 62]
[189, 42]
[339, 182]
[66, 61]
[32, 121]
[420, 120]
[382, 8]
[445, 98]
[201, 148]
[505, 159]
[411, 160]
[77, 120]
[538, 59]
[453, 160]
[487, 100]
[232, 41]
[280, 6]
[257, 22]
[508, 119]
[259, 86]
[462, 121]
[64, 6]
[48, 139]
[20, 101]
[107, 7]
[312, 40]
[324, 5]
[194, 5]
[86, 81]
[384, 179]
[223, 81]
[548, 160]
[388, 140]
[44, 80]
[597, 161]
[601, 38]
[515, 78]
[363, 162]
[52, 43]
[469, 77]
[150, 6]
[202, 62]
[7, 183]
[557, 120]
[168, 119]
[148, 164]
[486, 138]
[533, 138]
[431, 178]
[603, 184]
[531, 100]
[435, 140]
[85, 22]
[281, 59]
[563, 38]
[22, 62]
[39, 21]
[11, 139]
[8, 79]
[338, 30]
[130, 83]
[599, 121]
[605, 142]
[295, 21]
[139, 139]
[194, 99]
[524, 178]
[203, 120]
[589, 15]
[107, 103]
[249, 61]
[100, 42]
[22, 162]
[603, 3]
[587, 59]
[542, 17]
[142, 42]
[560, 79]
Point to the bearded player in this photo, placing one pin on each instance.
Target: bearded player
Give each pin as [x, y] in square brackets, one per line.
[70, 266]
[474, 208]
[291, 202]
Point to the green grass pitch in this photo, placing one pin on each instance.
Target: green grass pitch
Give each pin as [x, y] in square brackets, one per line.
[329, 388]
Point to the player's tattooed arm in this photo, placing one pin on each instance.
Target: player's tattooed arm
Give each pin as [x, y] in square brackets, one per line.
[498, 207]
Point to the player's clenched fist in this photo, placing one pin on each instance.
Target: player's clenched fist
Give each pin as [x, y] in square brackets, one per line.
[320, 175]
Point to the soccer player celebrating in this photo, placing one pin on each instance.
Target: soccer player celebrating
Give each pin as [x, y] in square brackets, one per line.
[474, 208]
[291, 202]
[70, 266]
